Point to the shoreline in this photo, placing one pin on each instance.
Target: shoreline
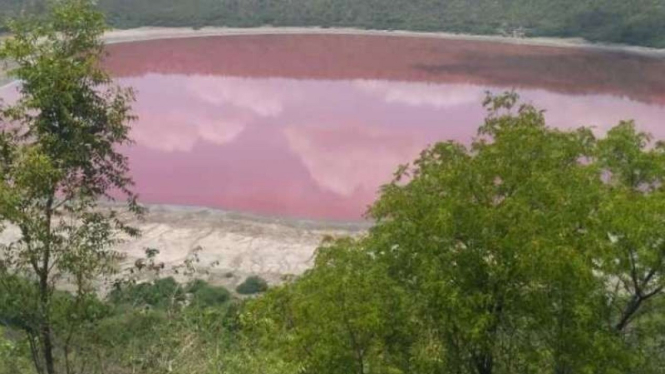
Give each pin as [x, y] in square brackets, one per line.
[117, 36]
[227, 246]
[298, 223]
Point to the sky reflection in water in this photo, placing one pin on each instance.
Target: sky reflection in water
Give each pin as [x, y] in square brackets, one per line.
[311, 126]
[307, 148]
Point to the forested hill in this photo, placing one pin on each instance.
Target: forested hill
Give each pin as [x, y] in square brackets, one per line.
[637, 22]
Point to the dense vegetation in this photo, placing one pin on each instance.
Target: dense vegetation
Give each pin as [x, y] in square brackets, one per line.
[640, 22]
[151, 327]
[529, 250]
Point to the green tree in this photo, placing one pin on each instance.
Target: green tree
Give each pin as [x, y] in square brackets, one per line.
[514, 244]
[343, 316]
[58, 159]
[529, 250]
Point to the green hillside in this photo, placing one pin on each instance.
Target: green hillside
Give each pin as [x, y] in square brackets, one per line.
[638, 22]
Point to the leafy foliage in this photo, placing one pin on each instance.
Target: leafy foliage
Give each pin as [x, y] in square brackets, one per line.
[13, 355]
[58, 159]
[530, 250]
[161, 293]
[205, 295]
[343, 316]
[252, 285]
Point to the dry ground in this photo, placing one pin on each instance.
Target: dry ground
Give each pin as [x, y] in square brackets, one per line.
[149, 33]
[230, 246]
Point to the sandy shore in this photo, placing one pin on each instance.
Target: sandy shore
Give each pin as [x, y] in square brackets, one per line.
[230, 246]
[151, 33]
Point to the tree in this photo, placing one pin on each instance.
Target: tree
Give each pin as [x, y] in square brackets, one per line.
[637, 262]
[514, 244]
[529, 250]
[59, 159]
[343, 316]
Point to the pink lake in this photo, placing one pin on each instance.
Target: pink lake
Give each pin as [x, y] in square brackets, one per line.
[310, 126]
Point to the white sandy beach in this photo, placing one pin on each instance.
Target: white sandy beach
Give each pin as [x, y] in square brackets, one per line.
[151, 33]
[230, 246]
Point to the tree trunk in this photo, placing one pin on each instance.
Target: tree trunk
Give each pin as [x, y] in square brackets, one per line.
[45, 293]
[562, 368]
[45, 330]
[48, 347]
[485, 363]
[628, 313]
[33, 341]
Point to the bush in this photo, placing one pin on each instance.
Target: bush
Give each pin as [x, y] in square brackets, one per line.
[205, 295]
[196, 285]
[158, 294]
[252, 285]
[14, 356]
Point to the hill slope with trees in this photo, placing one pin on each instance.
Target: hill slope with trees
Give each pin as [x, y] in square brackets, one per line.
[637, 22]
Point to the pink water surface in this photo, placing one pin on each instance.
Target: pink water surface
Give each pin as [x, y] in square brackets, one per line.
[310, 126]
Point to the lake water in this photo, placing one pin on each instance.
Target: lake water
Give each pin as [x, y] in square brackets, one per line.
[310, 126]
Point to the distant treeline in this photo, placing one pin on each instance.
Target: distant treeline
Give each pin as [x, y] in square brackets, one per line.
[637, 22]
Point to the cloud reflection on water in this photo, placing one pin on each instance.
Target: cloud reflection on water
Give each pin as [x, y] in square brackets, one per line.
[324, 146]
[314, 148]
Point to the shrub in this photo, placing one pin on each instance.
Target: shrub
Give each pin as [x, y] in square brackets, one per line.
[159, 294]
[196, 285]
[206, 295]
[252, 285]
